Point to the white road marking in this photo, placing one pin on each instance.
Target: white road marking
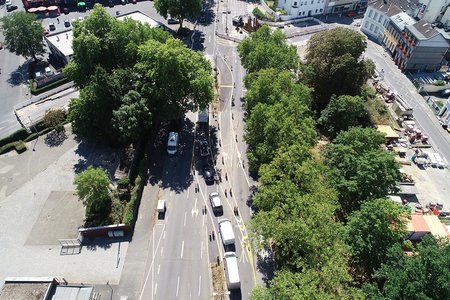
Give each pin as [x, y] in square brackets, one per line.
[164, 235]
[182, 249]
[201, 250]
[159, 267]
[162, 250]
[185, 215]
[178, 285]
[156, 288]
[194, 211]
[199, 284]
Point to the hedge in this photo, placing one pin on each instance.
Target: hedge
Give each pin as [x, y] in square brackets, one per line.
[35, 135]
[131, 205]
[259, 14]
[20, 134]
[36, 91]
[19, 146]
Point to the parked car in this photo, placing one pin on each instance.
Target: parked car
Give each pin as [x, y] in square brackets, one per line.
[45, 31]
[351, 14]
[66, 23]
[11, 8]
[66, 10]
[8, 3]
[204, 149]
[134, 1]
[445, 93]
[111, 3]
[237, 21]
[123, 2]
[208, 174]
[172, 21]
[216, 203]
[202, 18]
[51, 26]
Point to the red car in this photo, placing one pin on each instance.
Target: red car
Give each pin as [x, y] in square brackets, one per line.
[351, 14]
[45, 30]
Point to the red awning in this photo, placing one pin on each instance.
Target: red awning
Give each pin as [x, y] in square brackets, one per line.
[51, 8]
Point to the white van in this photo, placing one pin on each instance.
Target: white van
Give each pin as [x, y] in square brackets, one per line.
[226, 232]
[232, 271]
[172, 143]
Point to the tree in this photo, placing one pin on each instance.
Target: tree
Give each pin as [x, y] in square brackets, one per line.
[342, 113]
[282, 124]
[23, 34]
[335, 56]
[180, 9]
[174, 78]
[360, 169]
[92, 189]
[133, 119]
[371, 232]
[269, 85]
[423, 275]
[265, 49]
[103, 41]
[55, 118]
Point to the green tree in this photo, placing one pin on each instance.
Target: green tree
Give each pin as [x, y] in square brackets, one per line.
[180, 9]
[266, 49]
[23, 34]
[336, 59]
[55, 118]
[282, 124]
[371, 232]
[174, 78]
[342, 113]
[103, 41]
[92, 189]
[133, 119]
[360, 169]
[423, 275]
[269, 85]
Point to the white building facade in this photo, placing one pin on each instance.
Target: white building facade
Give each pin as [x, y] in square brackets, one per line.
[432, 10]
[376, 18]
[302, 8]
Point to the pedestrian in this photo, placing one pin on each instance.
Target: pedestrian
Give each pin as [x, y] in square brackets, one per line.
[57, 19]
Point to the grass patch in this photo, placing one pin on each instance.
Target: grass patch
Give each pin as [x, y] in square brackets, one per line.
[218, 280]
[439, 103]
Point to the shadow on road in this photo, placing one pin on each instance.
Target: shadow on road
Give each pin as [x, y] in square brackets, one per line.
[93, 243]
[19, 75]
[236, 295]
[266, 264]
[177, 175]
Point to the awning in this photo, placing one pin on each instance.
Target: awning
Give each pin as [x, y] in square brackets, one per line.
[41, 8]
[52, 8]
[81, 4]
[32, 10]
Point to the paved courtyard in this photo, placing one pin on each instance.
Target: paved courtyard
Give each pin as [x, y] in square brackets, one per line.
[38, 206]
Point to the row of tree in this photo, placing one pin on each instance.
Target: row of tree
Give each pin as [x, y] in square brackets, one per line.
[323, 214]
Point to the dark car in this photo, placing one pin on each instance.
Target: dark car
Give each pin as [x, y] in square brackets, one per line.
[11, 7]
[237, 21]
[208, 174]
[67, 23]
[172, 21]
[66, 10]
[111, 3]
[445, 93]
[202, 18]
[204, 149]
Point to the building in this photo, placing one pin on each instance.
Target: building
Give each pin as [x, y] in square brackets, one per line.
[60, 44]
[302, 8]
[431, 10]
[421, 225]
[392, 35]
[340, 6]
[420, 47]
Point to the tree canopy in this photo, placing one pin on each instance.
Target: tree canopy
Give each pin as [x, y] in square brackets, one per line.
[372, 231]
[423, 275]
[265, 49]
[360, 169]
[55, 118]
[342, 113]
[92, 189]
[23, 34]
[180, 9]
[338, 67]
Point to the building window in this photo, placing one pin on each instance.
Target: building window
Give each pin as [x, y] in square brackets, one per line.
[320, 10]
[366, 24]
[295, 3]
[375, 16]
[312, 2]
[371, 27]
[376, 30]
[380, 19]
[300, 13]
[316, 11]
[303, 13]
[370, 13]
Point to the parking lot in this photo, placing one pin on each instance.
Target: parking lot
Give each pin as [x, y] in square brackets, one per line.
[38, 207]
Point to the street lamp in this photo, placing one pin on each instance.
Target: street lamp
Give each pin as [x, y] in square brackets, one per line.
[35, 130]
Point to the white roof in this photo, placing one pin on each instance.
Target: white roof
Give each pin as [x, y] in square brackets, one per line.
[138, 16]
[216, 199]
[232, 267]
[226, 230]
[62, 41]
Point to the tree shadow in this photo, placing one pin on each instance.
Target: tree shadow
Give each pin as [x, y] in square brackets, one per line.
[96, 155]
[54, 138]
[172, 172]
[266, 265]
[19, 75]
[103, 242]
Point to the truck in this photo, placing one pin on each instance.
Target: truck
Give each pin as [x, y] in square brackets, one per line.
[232, 271]
[226, 232]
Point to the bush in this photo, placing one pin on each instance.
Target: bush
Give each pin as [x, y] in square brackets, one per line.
[19, 146]
[20, 134]
[36, 91]
[130, 208]
[35, 135]
[123, 182]
[259, 14]
[439, 83]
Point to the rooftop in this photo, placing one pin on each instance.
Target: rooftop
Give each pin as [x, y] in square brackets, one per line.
[401, 20]
[393, 7]
[141, 17]
[422, 30]
[62, 41]
[25, 288]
